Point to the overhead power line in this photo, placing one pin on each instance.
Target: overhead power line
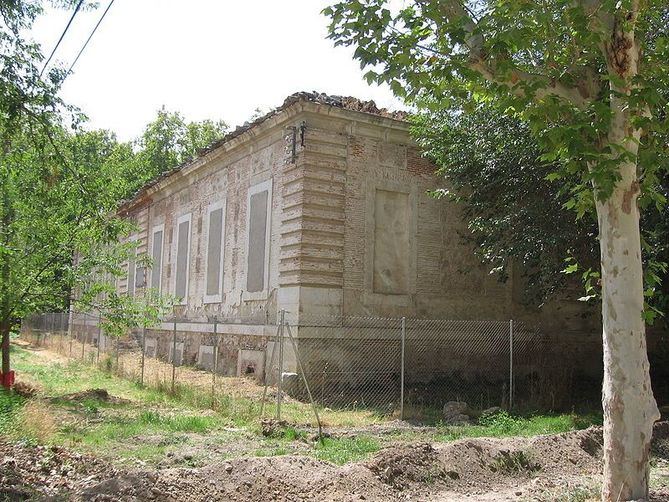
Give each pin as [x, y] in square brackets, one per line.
[89, 37]
[76, 9]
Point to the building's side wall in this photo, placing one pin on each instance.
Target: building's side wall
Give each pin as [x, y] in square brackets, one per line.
[381, 246]
[227, 181]
[403, 250]
[352, 231]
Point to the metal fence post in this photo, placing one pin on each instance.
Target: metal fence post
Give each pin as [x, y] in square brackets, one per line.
[402, 370]
[280, 383]
[70, 324]
[174, 353]
[306, 382]
[52, 332]
[61, 331]
[510, 363]
[213, 377]
[270, 366]
[118, 340]
[83, 341]
[141, 377]
[97, 356]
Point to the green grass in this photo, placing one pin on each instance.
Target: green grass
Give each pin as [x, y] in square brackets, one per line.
[76, 376]
[147, 423]
[343, 450]
[101, 426]
[10, 404]
[153, 423]
[57, 380]
[271, 452]
[505, 425]
[143, 452]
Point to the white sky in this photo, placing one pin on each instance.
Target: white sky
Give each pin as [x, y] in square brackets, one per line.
[216, 59]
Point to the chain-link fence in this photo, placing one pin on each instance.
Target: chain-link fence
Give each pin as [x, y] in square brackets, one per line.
[387, 367]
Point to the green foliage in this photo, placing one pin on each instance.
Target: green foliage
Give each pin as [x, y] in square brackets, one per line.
[491, 166]
[346, 449]
[169, 141]
[517, 206]
[550, 66]
[61, 186]
[57, 191]
[10, 403]
[503, 424]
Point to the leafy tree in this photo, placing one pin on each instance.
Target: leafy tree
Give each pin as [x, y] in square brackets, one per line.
[28, 107]
[170, 140]
[493, 168]
[59, 185]
[586, 75]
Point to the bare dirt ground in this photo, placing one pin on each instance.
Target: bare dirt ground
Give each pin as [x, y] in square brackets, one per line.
[543, 468]
[221, 465]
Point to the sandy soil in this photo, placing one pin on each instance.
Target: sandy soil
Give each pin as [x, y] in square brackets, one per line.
[543, 468]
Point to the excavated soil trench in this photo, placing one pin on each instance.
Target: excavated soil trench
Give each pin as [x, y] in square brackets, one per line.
[538, 468]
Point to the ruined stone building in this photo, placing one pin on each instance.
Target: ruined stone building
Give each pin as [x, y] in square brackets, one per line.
[321, 208]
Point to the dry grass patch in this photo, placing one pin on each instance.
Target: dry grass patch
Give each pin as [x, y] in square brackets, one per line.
[36, 420]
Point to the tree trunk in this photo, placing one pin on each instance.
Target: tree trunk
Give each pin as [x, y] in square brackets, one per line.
[4, 334]
[629, 407]
[5, 321]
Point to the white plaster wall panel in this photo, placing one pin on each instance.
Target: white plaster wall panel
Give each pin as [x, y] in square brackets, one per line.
[259, 207]
[157, 252]
[151, 347]
[215, 237]
[251, 362]
[183, 253]
[176, 357]
[439, 251]
[392, 252]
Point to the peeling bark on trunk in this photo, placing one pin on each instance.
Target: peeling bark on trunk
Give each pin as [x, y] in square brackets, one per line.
[627, 399]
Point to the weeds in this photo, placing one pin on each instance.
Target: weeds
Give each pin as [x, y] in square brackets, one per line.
[35, 422]
[152, 422]
[343, 450]
[513, 462]
[576, 494]
[10, 404]
[503, 424]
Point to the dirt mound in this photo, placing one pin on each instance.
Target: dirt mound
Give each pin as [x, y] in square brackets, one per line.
[538, 468]
[27, 471]
[417, 470]
[475, 464]
[95, 395]
[404, 465]
[249, 479]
